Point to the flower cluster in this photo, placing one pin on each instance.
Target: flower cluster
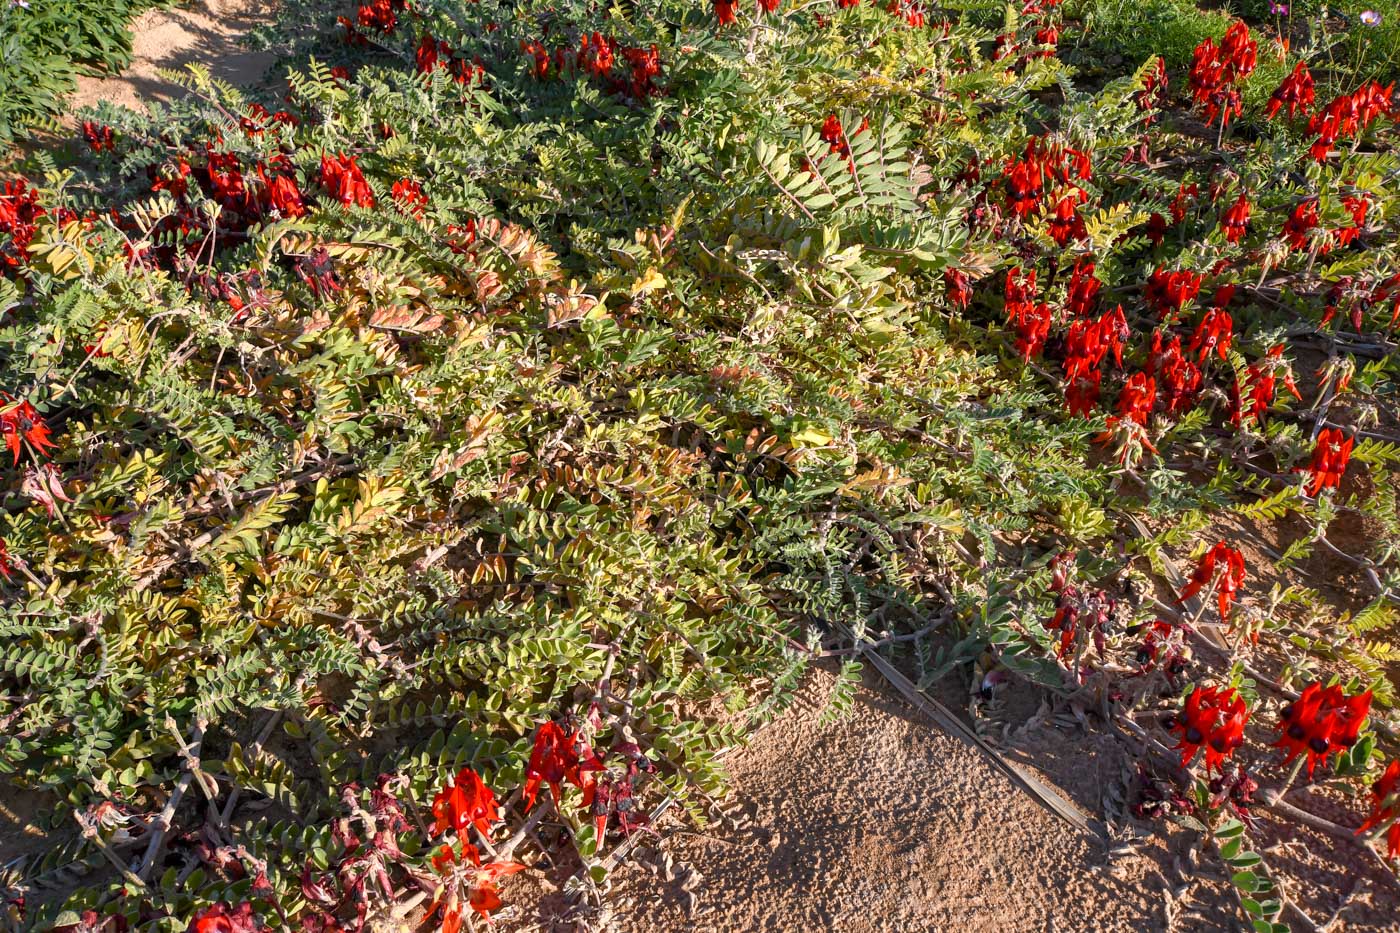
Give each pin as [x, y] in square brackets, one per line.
[1350, 115]
[1323, 721]
[1213, 718]
[1218, 71]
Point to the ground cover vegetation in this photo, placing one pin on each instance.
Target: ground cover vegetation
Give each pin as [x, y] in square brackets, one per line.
[45, 46]
[438, 465]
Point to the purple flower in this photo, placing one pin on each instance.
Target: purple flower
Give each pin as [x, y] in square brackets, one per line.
[1370, 18]
[1278, 9]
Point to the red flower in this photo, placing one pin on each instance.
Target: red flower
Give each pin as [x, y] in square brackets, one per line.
[7, 564]
[1031, 320]
[464, 801]
[1323, 721]
[1358, 205]
[556, 757]
[1295, 92]
[1136, 398]
[429, 53]
[834, 135]
[22, 426]
[99, 138]
[1214, 334]
[725, 12]
[1329, 460]
[1385, 807]
[19, 211]
[1168, 293]
[408, 194]
[282, 194]
[957, 288]
[1239, 52]
[1083, 295]
[1212, 718]
[1215, 72]
[768, 6]
[1225, 566]
[1348, 115]
[1082, 393]
[1297, 229]
[220, 919]
[1261, 378]
[1154, 90]
[645, 65]
[1235, 223]
[908, 10]
[1066, 224]
[341, 177]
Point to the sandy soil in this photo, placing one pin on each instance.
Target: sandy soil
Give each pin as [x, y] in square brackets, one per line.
[204, 31]
[882, 822]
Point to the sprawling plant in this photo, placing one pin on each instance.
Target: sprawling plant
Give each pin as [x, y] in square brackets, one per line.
[394, 471]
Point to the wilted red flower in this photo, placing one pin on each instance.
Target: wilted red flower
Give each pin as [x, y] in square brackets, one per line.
[220, 918]
[1225, 567]
[1212, 718]
[1295, 92]
[957, 287]
[1323, 721]
[1385, 807]
[1330, 457]
[341, 176]
[465, 801]
[559, 756]
[1235, 222]
[21, 425]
